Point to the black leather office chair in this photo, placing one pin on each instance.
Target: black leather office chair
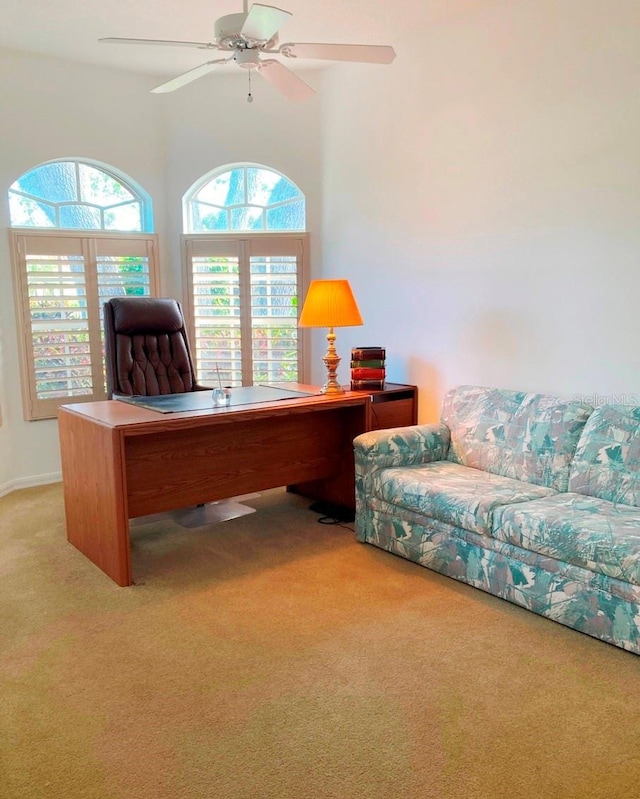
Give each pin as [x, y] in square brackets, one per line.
[146, 348]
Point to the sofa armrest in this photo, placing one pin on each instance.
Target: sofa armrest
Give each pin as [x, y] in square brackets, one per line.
[383, 449]
[402, 446]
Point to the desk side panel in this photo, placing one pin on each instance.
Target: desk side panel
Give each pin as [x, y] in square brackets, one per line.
[94, 493]
[397, 413]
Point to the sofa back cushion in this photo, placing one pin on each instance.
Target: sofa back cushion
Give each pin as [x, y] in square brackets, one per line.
[529, 437]
[607, 459]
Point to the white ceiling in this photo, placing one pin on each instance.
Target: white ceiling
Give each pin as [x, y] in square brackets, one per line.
[71, 28]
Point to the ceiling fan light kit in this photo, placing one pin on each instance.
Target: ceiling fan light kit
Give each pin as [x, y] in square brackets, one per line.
[251, 34]
[247, 59]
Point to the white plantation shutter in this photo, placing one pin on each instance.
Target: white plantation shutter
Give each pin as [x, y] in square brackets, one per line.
[275, 341]
[244, 296]
[123, 269]
[214, 301]
[62, 281]
[58, 348]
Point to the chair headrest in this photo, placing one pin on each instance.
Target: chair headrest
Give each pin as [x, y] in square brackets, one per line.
[146, 315]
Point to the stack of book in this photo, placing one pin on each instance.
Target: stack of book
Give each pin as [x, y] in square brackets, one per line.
[367, 368]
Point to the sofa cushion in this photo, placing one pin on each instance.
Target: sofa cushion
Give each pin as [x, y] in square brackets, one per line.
[607, 459]
[453, 493]
[528, 437]
[585, 531]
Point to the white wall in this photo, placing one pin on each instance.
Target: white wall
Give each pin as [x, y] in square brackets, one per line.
[53, 108]
[483, 195]
[208, 124]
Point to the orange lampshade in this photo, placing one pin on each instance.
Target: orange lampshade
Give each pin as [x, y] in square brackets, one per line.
[330, 303]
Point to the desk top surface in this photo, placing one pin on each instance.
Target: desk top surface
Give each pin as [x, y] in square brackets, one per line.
[117, 414]
[203, 401]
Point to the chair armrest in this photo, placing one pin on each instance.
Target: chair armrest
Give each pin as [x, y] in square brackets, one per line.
[383, 449]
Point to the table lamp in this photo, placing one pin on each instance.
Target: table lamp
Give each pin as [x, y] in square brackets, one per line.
[330, 303]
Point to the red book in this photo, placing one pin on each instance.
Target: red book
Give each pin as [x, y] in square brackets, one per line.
[367, 353]
[367, 373]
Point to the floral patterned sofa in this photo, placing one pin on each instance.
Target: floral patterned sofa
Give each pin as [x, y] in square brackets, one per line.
[526, 496]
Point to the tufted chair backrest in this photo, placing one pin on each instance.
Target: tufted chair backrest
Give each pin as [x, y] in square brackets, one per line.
[146, 347]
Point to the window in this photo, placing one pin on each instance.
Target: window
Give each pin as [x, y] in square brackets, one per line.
[76, 195]
[246, 270]
[71, 251]
[244, 198]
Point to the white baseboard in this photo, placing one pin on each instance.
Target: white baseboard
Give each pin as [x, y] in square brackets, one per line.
[30, 482]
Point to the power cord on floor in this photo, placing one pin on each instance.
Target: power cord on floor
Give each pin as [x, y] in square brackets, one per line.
[333, 514]
[336, 522]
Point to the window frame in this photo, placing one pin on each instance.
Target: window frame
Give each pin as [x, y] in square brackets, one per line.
[35, 409]
[137, 193]
[190, 197]
[241, 244]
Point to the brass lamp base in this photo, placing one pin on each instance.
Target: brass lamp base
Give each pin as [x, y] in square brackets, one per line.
[331, 361]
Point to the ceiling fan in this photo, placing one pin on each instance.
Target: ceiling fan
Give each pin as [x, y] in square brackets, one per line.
[249, 36]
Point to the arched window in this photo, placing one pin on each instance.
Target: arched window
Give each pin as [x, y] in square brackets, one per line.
[247, 264]
[245, 197]
[80, 235]
[78, 196]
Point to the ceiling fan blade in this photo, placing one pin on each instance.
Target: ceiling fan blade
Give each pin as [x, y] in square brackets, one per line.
[187, 77]
[364, 53]
[263, 22]
[163, 42]
[286, 81]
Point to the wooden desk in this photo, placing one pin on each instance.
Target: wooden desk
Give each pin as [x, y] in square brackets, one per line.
[120, 461]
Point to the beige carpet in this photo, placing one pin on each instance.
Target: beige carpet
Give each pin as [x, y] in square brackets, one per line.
[271, 657]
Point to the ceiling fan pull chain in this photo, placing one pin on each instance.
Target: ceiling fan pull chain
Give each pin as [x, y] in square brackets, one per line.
[249, 96]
